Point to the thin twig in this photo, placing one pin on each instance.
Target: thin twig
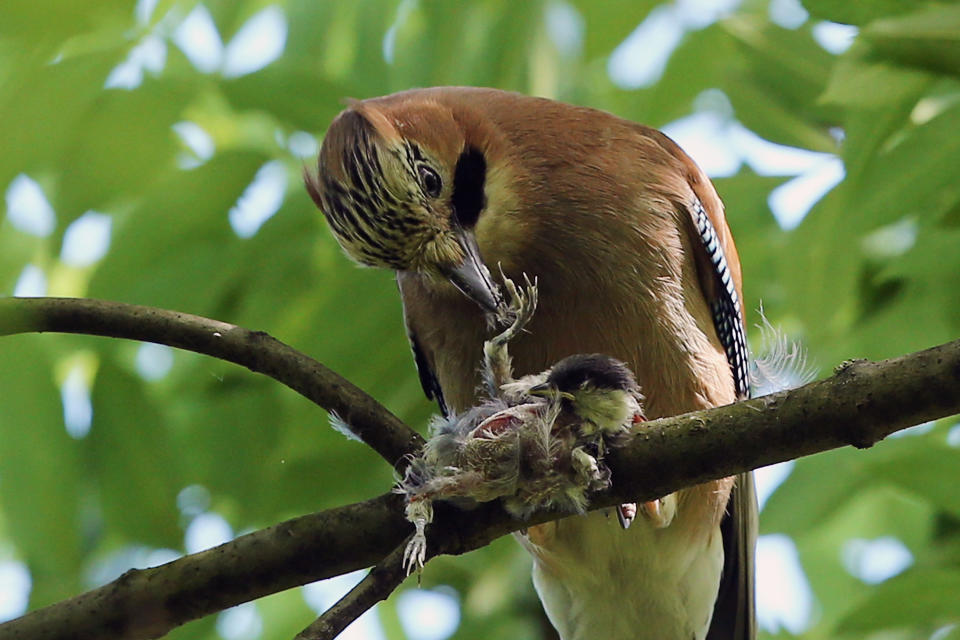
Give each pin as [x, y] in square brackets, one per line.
[375, 586]
[255, 350]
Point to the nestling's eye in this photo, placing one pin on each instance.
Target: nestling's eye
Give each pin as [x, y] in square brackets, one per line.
[430, 181]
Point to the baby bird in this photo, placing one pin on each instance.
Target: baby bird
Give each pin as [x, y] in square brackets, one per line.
[538, 442]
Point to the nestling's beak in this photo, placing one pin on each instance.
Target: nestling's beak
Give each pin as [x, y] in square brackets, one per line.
[546, 390]
[472, 277]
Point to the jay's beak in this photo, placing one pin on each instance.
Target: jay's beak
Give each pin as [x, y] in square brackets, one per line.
[472, 277]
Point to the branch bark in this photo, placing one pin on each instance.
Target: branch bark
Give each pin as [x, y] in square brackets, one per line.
[148, 603]
[861, 403]
[370, 421]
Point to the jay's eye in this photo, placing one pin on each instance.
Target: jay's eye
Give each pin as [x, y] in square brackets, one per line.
[430, 181]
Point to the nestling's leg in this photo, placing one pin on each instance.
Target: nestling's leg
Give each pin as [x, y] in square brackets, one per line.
[498, 368]
[589, 471]
[420, 513]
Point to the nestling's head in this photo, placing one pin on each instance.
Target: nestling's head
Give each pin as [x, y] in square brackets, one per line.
[401, 188]
[596, 387]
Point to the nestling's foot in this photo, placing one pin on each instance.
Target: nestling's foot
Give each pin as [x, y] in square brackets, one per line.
[516, 315]
[419, 512]
[523, 303]
[591, 474]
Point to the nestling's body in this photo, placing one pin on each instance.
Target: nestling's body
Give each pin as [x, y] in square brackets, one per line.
[604, 212]
[537, 443]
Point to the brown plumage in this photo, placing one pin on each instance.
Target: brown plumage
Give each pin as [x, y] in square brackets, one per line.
[442, 184]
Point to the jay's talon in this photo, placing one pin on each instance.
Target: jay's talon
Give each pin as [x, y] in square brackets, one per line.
[626, 513]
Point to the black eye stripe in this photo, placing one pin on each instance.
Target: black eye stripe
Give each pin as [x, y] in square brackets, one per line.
[468, 198]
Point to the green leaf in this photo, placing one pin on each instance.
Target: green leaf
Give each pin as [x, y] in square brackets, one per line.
[49, 25]
[914, 174]
[235, 412]
[908, 282]
[921, 597]
[202, 629]
[777, 121]
[804, 500]
[788, 64]
[949, 633]
[16, 250]
[41, 477]
[447, 43]
[177, 250]
[389, 617]
[343, 43]
[868, 512]
[41, 106]
[291, 92]
[859, 12]
[928, 38]
[284, 614]
[860, 82]
[122, 144]
[702, 59]
[869, 130]
[134, 460]
[609, 22]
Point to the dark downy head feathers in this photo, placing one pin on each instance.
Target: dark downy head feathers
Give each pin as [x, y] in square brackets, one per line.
[595, 370]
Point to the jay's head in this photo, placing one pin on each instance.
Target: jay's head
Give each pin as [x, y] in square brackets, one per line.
[401, 188]
[596, 387]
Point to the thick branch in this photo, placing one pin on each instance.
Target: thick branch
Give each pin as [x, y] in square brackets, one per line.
[149, 603]
[862, 403]
[256, 350]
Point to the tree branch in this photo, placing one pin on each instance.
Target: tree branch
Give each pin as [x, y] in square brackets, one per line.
[861, 404]
[148, 603]
[375, 586]
[255, 350]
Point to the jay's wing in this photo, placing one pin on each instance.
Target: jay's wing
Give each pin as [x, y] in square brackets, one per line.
[718, 269]
[428, 380]
[734, 616]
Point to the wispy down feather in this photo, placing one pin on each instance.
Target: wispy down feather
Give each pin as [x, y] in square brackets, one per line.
[341, 426]
[782, 363]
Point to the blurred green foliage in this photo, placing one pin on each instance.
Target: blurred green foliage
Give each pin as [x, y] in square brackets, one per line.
[872, 271]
